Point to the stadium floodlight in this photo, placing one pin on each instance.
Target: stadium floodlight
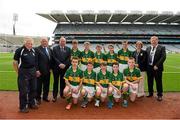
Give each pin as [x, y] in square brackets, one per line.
[15, 19]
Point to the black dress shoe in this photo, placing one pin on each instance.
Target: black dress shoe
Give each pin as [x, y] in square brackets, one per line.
[46, 100]
[38, 101]
[62, 97]
[24, 110]
[33, 106]
[54, 99]
[150, 95]
[159, 98]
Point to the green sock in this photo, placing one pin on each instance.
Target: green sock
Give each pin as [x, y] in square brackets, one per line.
[125, 96]
[97, 98]
[110, 98]
[85, 96]
[69, 100]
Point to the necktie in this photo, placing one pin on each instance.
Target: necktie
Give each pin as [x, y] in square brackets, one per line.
[62, 49]
[46, 52]
[151, 56]
[137, 54]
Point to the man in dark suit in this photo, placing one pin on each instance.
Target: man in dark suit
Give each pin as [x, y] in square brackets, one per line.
[140, 57]
[156, 56]
[62, 58]
[44, 54]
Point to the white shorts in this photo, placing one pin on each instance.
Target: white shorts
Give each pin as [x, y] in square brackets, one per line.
[97, 70]
[90, 91]
[122, 67]
[83, 67]
[109, 68]
[103, 92]
[115, 94]
[74, 95]
[133, 88]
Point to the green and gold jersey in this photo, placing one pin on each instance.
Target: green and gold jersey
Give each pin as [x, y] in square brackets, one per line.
[111, 58]
[133, 75]
[98, 59]
[74, 78]
[89, 79]
[104, 80]
[124, 56]
[75, 53]
[116, 79]
[87, 57]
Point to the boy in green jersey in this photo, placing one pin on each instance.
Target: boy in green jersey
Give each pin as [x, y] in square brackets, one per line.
[99, 57]
[111, 57]
[89, 81]
[86, 56]
[75, 52]
[73, 79]
[102, 84]
[132, 77]
[123, 56]
[117, 85]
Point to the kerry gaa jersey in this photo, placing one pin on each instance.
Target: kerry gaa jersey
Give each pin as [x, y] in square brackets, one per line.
[124, 56]
[89, 79]
[104, 80]
[87, 57]
[74, 78]
[132, 75]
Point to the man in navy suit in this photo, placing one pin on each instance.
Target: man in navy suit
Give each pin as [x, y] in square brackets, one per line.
[156, 55]
[62, 58]
[44, 55]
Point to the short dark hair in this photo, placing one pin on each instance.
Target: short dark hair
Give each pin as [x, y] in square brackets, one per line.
[131, 58]
[110, 45]
[75, 58]
[74, 41]
[125, 41]
[91, 63]
[115, 63]
[103, 64]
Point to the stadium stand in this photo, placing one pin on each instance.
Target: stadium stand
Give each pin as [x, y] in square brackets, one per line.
[9, 43]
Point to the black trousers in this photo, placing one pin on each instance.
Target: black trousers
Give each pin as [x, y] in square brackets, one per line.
[43, 83]
[27, 87]
[157, 75]
[58, 76]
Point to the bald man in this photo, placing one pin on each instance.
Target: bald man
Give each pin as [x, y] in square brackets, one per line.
[62, 58]
[25, 65]
[44, 55]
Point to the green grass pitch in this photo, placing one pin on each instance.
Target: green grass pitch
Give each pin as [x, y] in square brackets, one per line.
[171, 75]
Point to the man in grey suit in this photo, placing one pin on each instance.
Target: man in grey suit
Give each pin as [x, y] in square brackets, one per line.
[156, 56]
[62, 58]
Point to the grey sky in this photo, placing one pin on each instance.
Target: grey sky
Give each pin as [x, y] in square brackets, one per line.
[31, 24]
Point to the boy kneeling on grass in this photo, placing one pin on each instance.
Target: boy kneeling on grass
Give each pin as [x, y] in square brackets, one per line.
[132, 77]
[73, 79]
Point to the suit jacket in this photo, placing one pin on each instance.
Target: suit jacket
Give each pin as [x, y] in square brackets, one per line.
[159, 57]
[44, 61]
[61, 57]
[142, 59]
